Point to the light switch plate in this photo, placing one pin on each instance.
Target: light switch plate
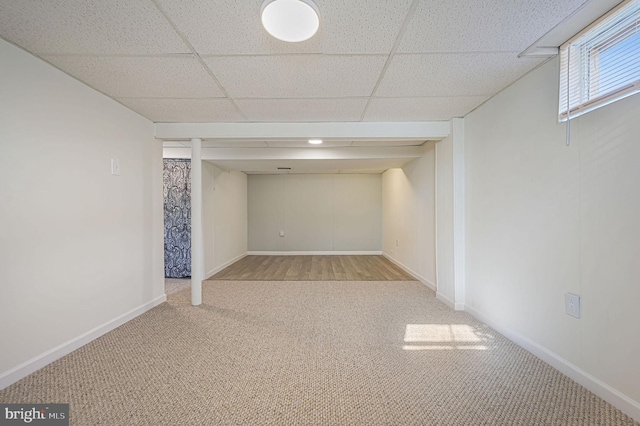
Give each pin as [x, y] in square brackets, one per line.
[115, 167]
[572, 304]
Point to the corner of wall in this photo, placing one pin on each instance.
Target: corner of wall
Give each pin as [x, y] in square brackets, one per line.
[409, 271]
[444, 299]
[219, 268]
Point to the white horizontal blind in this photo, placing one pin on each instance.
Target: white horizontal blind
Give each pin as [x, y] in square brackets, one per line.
[602, 63]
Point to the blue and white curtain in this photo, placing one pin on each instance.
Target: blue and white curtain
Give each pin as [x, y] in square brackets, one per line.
[177, 218]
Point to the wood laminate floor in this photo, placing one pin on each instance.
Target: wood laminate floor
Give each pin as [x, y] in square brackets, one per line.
[313, 268]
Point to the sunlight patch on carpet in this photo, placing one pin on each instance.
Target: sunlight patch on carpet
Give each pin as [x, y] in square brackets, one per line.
[462, 336]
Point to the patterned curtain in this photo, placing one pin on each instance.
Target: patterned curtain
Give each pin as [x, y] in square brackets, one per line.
[177, 218]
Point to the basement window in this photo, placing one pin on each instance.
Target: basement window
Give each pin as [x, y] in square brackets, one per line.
[601, 64]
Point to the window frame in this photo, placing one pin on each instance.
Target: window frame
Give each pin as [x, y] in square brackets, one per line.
[588, 72]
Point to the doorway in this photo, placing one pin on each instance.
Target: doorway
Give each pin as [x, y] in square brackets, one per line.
[176, 179]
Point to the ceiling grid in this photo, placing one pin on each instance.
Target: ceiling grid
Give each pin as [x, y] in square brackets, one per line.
[370, 63]
[389, 60]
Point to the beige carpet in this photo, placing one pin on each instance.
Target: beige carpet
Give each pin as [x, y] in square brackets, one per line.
[310, 353]
[174, 285]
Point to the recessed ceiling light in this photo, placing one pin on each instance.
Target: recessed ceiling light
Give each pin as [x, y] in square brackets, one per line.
[290, 20]
[315, 141]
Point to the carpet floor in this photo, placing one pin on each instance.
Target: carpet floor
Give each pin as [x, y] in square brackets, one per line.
[309, 353]
[174, 285]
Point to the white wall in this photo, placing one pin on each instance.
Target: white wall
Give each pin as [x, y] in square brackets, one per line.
[224, 217]
[408, 216]
[80, 249]
[544, 219]
[318, 213]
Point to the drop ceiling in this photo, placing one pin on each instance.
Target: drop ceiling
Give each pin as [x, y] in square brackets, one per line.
[210, 61]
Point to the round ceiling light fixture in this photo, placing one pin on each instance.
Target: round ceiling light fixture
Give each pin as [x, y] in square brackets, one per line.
[290, 20]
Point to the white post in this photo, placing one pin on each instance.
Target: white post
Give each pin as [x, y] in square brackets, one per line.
[459, 218]
[197, 247]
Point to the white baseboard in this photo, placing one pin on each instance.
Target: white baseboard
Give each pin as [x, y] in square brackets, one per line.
[595, 385]
[314, 253]
[444, 299]
[34, 364]
[224, 265]
[422, 279]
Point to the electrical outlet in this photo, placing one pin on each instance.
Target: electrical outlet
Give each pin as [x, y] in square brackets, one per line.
[572, 304]
[397, 243]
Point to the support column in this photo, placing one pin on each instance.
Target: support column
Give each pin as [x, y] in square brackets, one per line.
[197, 246]
[459, 218]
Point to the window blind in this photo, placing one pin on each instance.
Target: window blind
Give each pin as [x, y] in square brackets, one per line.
[602, 63]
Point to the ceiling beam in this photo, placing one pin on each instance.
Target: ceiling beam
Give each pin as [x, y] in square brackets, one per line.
[427, 130]
[349, 153]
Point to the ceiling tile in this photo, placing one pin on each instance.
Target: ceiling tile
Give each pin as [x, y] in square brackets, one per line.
[297, 76]
[184, 110]
[88, 27]
[234, 27]
[471, 74]
[154, 77]
[361, 26]
[308, 110]
[421, 109]
[482, 25]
